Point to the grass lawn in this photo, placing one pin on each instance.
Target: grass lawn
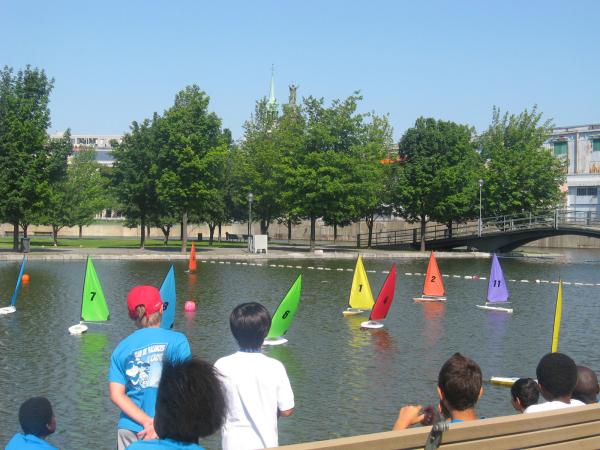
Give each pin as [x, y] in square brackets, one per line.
[42, 241]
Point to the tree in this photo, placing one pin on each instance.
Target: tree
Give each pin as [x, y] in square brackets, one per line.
[24, 149]
[520, 175]
[437, 179]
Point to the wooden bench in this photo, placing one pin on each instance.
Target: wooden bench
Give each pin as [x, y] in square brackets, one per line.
[573, 428]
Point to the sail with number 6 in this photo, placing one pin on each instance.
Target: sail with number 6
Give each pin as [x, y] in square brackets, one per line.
[285, 313]
[93, 303]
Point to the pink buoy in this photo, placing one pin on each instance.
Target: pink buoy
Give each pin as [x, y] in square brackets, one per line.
[189, 306]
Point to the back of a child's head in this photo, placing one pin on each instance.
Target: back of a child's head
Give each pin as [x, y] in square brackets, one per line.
[35, 416]
[557, 375]
[526, 390]
[460, 380]
[250, 323]
[586, 390]
[190, 402]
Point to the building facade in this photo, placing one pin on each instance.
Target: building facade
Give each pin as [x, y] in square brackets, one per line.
[579, 146]
[99, 142]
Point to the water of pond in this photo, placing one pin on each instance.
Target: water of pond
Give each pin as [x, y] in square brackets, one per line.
[347, 381]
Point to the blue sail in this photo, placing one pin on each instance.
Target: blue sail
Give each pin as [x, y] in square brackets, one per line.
[13, 299]
[497, 289]
[169, 297]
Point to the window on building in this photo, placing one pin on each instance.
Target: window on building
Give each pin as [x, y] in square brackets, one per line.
[560, 148]
[596, 145]
[588, 191]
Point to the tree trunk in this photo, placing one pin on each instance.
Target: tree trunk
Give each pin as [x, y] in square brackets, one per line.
[25, 226]
[166, 229]
[313, 232]
[55, 229]
[264, 226]
[289, 227]
[370, 220]
[449, 225]
[184, 220]
[423, 223]
[16, 236]
[334, 232]
[211, 228]
[148, 231]
[220, 224]
[80, 231]
[142, 231]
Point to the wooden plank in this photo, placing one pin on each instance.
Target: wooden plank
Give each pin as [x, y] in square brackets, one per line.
[529, 439]
[591, 443]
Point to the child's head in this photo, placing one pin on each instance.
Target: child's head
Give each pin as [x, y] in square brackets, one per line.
[460, 383]
[557, 376]
[190, 402]
[250, 323]
[525, 392]
[36, 417]
[586, 389]
[145, 306]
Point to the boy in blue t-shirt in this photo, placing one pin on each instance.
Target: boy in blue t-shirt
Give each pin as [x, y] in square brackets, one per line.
[38, 422]
[136, 365]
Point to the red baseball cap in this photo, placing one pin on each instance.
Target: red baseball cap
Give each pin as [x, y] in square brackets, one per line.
[146, 296]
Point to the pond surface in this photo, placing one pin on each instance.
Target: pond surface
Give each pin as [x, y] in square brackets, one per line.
[347, 381]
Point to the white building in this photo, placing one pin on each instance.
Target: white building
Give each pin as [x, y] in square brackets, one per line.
[100, 142]
[580, 146]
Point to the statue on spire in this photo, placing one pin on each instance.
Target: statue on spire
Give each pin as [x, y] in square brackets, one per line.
[292, 100]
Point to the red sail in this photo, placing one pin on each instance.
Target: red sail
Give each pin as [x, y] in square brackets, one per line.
[192, 264]
[433, 280]
[385, 297]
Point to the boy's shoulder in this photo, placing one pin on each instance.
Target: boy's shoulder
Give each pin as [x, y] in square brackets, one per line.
[146, 336]
[243, 359]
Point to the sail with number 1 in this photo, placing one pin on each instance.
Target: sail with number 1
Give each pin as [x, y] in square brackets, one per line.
[497, 295]
[93, 302]
[361, 297]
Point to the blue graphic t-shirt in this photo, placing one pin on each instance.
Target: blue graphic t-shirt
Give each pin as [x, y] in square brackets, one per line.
[22, 441]
[136, 363]
[163, 444]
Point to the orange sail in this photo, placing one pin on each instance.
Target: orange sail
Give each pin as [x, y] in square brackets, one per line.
[192, 263]
[433, 285]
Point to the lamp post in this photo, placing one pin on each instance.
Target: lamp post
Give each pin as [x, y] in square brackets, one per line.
[480, 222]
[250, 198]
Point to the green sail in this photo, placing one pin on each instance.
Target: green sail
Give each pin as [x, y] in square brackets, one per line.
[93, 303]
[283, 317]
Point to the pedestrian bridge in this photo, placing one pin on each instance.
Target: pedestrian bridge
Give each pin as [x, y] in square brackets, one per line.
[501, 233]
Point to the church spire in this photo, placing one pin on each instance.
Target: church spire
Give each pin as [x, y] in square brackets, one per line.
[272, 103]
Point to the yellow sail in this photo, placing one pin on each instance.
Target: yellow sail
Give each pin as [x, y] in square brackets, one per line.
[360, 294]
[557, 317]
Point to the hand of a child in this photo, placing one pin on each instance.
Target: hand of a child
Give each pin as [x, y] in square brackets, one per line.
[148, 431]
[409, 415]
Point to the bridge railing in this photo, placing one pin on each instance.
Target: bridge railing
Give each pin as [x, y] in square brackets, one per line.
[489, 225]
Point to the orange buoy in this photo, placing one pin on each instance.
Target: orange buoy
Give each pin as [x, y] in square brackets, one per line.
[190, 306]
[25, 278]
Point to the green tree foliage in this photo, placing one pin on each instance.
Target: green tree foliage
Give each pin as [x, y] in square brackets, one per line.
[437, 178]
[520, 175]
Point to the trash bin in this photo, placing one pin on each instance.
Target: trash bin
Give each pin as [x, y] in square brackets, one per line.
[25, 245]
[199, 237]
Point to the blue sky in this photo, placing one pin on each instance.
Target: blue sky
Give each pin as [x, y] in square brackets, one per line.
[119, 61]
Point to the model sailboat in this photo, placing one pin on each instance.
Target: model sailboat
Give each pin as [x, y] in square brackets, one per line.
[93, 302]
[192, 261]
[168, 295]
[284, 315]
[384, 301]
[497, 295]
[13, 300]
[361, 298]
[506, 381]
[433, 287]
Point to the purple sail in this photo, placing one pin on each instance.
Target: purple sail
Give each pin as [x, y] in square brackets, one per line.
[497, 289]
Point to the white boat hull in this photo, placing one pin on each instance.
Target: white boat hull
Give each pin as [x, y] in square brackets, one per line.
[371, 324]
[275, 341]
[78, 329]
[495, 308]
[352, 311]
[503, 381]
[7, 310]
[427, 299]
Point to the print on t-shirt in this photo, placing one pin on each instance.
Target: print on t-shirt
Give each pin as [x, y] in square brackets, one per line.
[144, 366]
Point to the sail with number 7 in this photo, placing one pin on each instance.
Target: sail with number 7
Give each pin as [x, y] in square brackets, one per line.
[93, 302]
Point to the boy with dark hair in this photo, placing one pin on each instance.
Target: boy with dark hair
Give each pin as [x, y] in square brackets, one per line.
[38, 422]
[557, 376]
[257, 387]
[524, 392]
[587, 388]
[190, 404]
[459, 387]
[136, 365]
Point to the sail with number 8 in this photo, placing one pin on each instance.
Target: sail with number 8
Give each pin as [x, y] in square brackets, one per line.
[284, 315]
[93, 302]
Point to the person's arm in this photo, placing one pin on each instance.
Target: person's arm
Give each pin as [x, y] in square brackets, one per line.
[286, 413]
[119, 398]
[408, 415]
